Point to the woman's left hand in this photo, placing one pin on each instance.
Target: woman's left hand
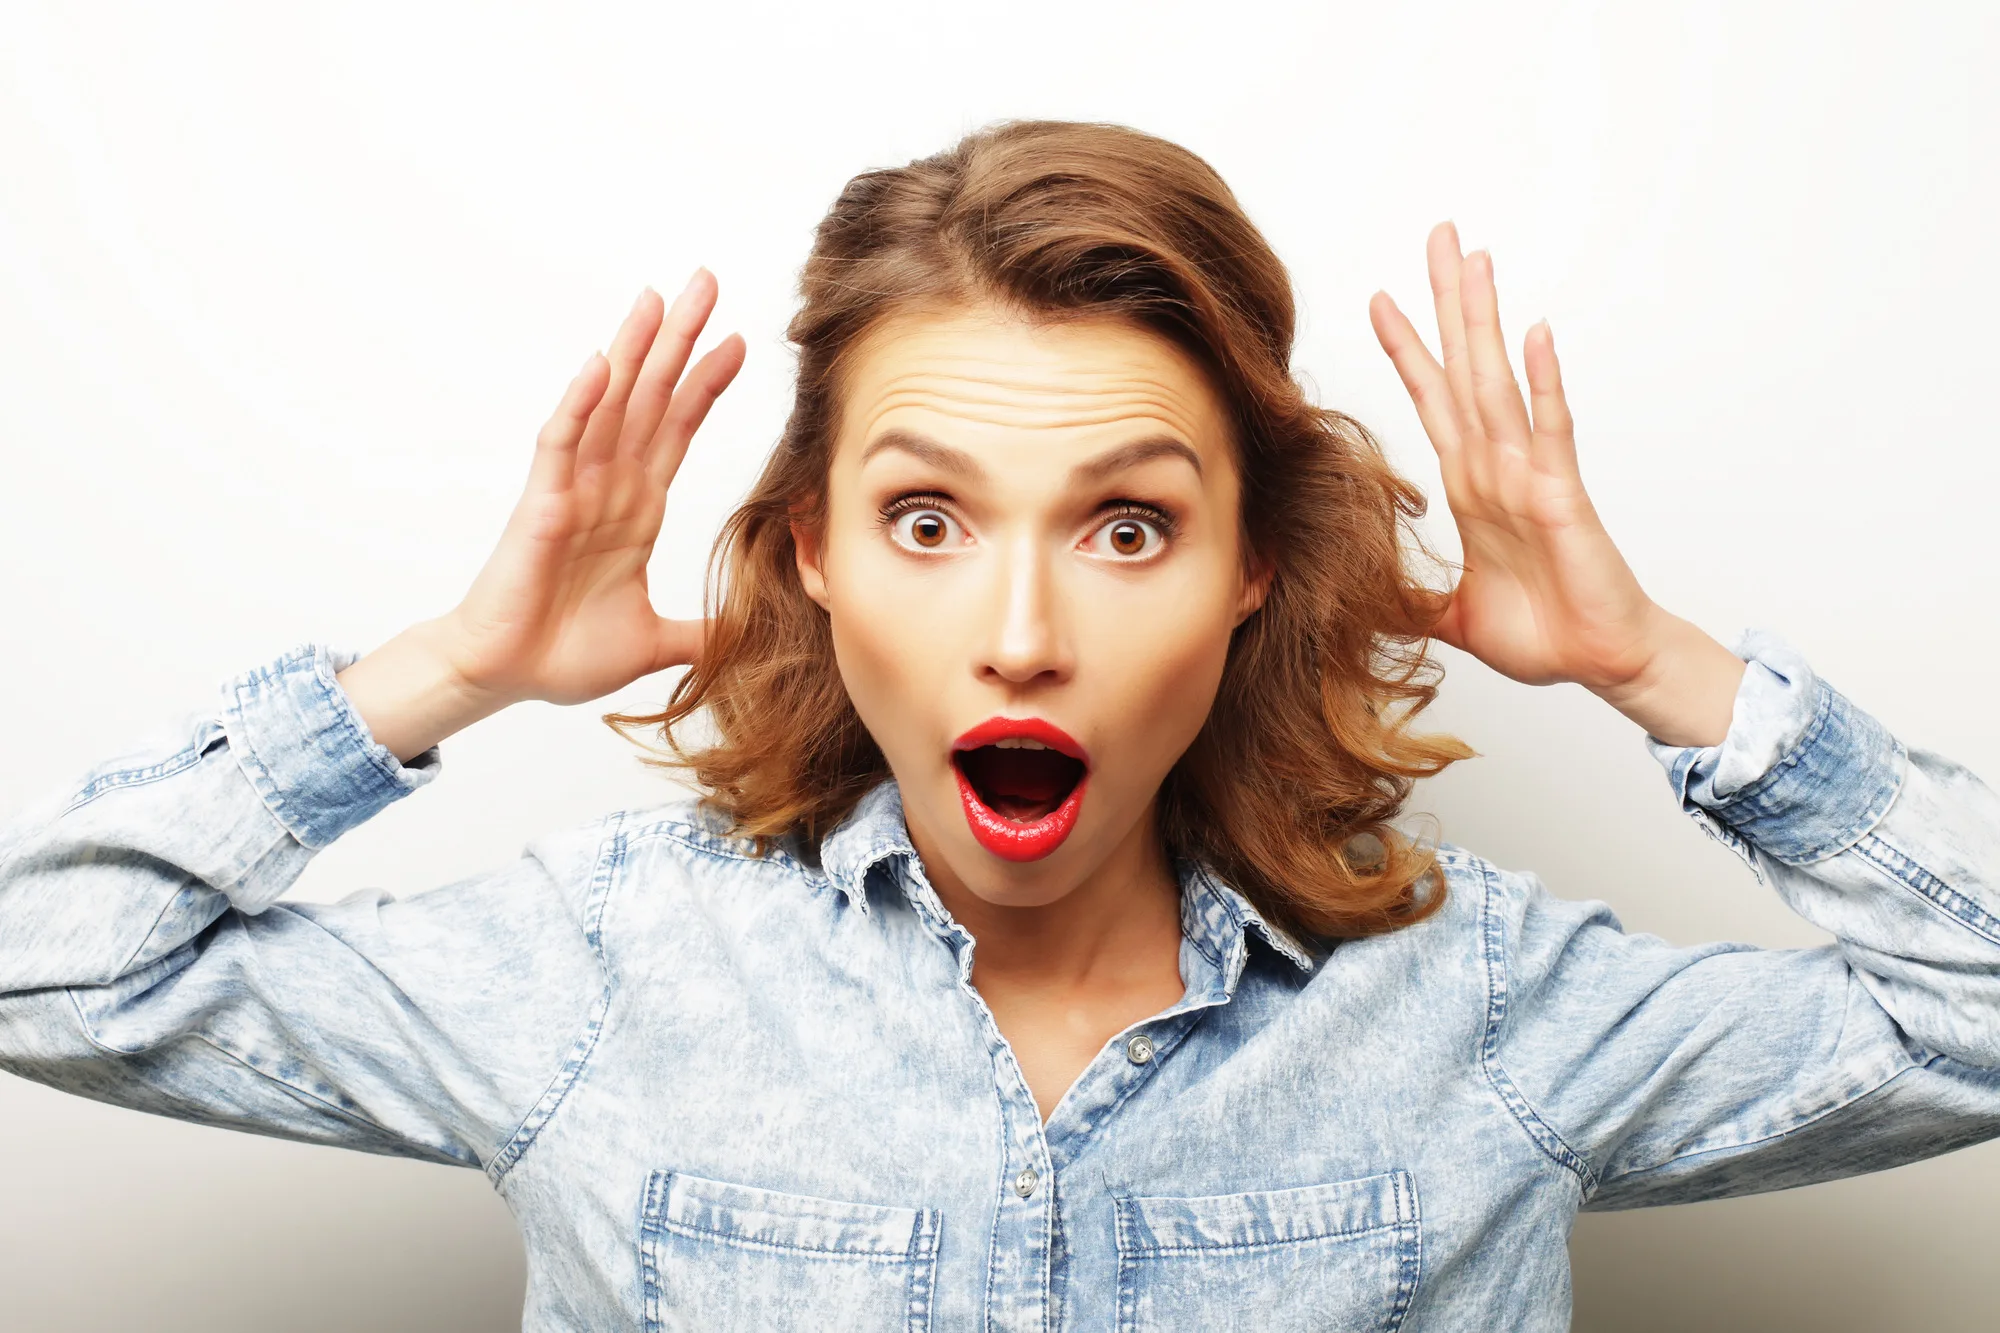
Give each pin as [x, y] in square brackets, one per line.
[1544, 595]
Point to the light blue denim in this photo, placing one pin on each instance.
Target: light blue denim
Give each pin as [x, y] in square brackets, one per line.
[722, 1092]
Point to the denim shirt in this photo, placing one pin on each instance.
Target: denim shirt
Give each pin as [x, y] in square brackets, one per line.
[720, 1091]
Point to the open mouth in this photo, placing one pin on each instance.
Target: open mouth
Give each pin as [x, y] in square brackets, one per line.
[1021, 782]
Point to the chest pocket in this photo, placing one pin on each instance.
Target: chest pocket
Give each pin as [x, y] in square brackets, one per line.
[717, 1256]
[1341, 1256]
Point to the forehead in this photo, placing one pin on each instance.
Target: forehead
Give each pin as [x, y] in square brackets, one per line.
[982, 373]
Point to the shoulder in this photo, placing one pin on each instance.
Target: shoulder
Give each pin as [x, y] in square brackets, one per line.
[682, 820]
[1533, 944]
[1507, 916]
[677, 848]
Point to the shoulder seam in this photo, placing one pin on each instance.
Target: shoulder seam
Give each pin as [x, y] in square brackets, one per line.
[610, 861]
[1493, 950]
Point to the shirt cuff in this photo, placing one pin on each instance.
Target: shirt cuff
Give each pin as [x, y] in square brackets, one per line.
[306, 750]
[1802, 774]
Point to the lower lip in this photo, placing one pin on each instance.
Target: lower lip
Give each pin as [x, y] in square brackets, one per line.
[1013, 841]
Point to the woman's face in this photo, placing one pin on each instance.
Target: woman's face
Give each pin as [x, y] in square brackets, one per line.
[1030, 549]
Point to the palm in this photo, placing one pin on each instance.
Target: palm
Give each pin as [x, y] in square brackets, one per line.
[561, 610]
[1544, 595]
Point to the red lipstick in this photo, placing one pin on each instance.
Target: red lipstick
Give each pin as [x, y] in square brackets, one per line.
[1021, 781]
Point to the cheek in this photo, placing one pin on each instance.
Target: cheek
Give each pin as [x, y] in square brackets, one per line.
[885, 655]
[1159, 661]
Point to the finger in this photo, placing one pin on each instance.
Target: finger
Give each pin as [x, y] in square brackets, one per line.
[1553, 447]
[626, 353]
[1446, 264]
[680, 642]
[1503, 416]
[654, 391]
[555, 447]
[697, 393]
[1422, 377]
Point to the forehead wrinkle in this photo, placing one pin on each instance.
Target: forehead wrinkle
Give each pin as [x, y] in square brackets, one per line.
[1128, 381]
[1047, 387]
[1145, 400]
[1053, 418]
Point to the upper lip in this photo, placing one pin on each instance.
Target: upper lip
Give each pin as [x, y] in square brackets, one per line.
[1026, 728]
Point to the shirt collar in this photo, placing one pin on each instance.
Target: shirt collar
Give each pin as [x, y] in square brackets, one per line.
[1215, 918]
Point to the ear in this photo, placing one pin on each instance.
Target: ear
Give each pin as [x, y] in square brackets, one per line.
[1256, 587]
[807, 554]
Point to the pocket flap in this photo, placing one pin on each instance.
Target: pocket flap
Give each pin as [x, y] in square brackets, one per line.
[741, 1213]
[1267, 1217]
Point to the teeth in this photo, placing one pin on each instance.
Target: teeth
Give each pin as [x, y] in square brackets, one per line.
[1018, 743]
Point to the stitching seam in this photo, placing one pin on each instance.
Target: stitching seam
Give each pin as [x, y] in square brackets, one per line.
[180, 761]
[1912, 876]
[699, 841]
[1249, 1246]
[1540, 1131]
[610, 860]
[907, 1255]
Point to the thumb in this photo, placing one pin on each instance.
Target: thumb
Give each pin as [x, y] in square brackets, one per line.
[678, 643]
[1450, 627]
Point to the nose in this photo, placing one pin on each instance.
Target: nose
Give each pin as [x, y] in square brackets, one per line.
[1028, 639]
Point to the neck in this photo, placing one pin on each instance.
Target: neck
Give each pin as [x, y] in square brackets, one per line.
[1121, 922]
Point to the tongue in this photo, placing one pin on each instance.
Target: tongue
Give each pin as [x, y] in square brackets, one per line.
[1023, 785]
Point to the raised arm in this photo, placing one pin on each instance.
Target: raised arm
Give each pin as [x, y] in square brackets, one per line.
[1659, 1074]
[144, 959]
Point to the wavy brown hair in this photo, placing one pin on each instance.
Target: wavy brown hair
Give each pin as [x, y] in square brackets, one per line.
[1307, 753]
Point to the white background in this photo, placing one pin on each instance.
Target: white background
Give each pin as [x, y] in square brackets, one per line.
[285, 293]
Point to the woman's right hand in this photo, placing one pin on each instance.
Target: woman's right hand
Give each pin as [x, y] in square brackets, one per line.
[561, 612]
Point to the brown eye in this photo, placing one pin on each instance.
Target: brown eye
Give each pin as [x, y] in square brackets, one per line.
[922, 529]
[1127, 538]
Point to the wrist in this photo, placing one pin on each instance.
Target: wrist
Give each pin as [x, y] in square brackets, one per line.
[1685, 691]
[411, 694]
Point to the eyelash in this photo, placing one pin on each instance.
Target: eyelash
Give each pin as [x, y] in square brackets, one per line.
[1161, 520]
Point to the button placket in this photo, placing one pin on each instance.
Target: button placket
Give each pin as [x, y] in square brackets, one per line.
[1019, 1253]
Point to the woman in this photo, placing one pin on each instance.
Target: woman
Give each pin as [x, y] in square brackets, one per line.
[1044, 954]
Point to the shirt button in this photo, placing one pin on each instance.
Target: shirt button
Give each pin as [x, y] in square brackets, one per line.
[1139, 1049]
[1024, 1184]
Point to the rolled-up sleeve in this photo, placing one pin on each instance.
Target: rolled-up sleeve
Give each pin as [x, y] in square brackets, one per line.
[306, 751]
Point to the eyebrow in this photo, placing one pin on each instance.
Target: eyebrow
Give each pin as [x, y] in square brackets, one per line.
[947, 459]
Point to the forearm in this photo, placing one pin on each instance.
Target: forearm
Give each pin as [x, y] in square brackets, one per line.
[124, 866]
[409, 694]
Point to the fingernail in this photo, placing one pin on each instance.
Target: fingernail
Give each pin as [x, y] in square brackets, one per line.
[694, 277]
[588, 362]
[639, 300]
